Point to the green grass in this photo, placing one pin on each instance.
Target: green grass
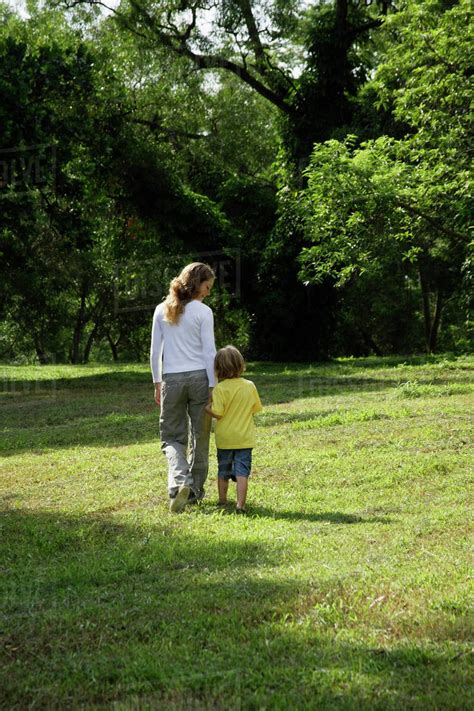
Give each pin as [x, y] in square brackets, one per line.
[346, 587]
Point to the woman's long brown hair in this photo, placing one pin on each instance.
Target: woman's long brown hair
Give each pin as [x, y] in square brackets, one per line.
[184, 288]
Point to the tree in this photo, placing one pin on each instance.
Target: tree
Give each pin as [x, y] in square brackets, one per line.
[262, 42]
[46, 228]
[61, 237]
[403, 201]
[305, 64]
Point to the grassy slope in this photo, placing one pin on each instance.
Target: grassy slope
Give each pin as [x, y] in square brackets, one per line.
[346, 587]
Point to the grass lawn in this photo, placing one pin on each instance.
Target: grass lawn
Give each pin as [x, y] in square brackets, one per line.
[346, 586]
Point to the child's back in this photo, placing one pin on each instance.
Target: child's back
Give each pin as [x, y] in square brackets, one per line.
[235, 400]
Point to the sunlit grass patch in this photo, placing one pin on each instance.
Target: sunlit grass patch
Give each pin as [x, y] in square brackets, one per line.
[346, 587]
[346, 417]
[414, 389]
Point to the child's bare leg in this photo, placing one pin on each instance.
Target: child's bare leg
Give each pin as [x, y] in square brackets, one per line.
[242, 485]
[222, 486]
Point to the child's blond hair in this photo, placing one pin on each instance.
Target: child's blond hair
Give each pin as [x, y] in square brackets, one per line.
[229, 363]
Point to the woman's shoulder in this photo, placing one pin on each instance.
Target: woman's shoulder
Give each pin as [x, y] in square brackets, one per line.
[200, 307]
[159, 310]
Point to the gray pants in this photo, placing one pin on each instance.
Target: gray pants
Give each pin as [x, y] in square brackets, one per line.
[185, 429]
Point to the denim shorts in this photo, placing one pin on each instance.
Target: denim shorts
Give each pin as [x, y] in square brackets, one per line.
[233, 463]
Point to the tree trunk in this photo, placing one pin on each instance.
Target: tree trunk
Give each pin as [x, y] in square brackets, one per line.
[341, 14]
[97, 320]
[113, 346]
[90, 341]
[40, 352]
[436, 321]
[78, 329]
[425, 295]
[370, 343]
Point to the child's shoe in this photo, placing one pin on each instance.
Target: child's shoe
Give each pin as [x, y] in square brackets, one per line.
[240, 511]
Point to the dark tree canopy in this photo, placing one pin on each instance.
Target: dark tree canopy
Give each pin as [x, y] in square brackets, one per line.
[326, 143]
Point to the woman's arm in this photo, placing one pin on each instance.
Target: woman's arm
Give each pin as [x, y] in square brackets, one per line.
[208, 344]
[156, 349]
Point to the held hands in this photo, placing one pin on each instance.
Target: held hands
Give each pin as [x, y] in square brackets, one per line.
[208, 407]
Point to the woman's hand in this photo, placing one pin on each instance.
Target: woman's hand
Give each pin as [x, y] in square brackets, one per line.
[158, 393]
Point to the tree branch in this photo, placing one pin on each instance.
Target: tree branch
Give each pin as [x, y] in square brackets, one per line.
[367, 26]
[430, 220]
[171, 132]
[254, 35]
[178, 45]
[288, 79]
[210, 61]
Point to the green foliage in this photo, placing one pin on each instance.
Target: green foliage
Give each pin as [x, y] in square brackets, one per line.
[50, 229]
[232, 321]
[402, 204]
[112, 194]
[177, 130]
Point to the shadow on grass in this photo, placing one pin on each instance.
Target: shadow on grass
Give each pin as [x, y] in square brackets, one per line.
[296, 380]
[391, 361]
[262, 512]
[101, 614]
[116, 408]
[109, 430]
[336, 517]
[278, 390]
[275, 388]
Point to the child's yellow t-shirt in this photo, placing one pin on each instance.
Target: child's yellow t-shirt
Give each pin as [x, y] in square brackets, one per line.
[236, 400]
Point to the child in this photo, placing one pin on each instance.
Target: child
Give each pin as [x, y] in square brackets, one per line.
[234, 402]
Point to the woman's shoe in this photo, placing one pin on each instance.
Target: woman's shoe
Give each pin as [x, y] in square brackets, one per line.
[180, 500]
[195, 497]
[192, 498]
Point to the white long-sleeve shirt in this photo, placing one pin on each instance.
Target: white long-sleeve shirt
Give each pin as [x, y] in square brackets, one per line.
[187, 345]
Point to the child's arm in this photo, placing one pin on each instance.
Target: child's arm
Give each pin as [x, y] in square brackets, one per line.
[257, 407]
[212, 414]
[216, 406]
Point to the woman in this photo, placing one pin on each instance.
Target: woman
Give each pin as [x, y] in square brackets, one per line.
[182, 362]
